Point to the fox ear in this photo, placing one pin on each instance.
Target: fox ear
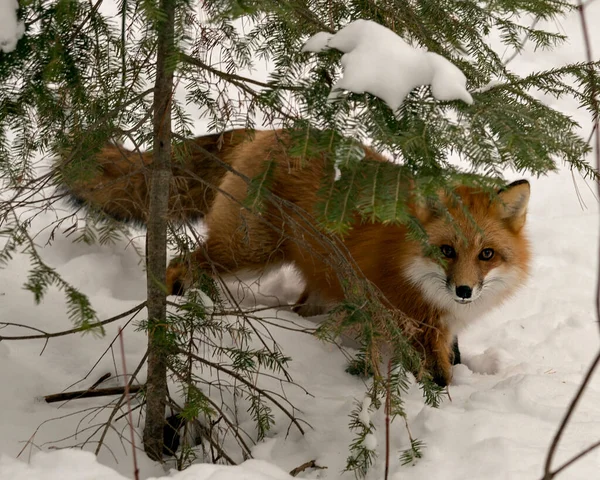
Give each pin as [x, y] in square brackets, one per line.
[512, 203]
[425, 209]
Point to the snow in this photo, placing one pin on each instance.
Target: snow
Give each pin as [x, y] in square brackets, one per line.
[365, 413]
[370, 442]
[78, 465]
[378, 61]
[522, 363]
[11, 30]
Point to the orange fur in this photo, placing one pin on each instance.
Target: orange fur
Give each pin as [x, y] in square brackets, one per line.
[240, 240]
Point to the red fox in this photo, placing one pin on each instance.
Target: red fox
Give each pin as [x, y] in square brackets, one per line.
[485, 251]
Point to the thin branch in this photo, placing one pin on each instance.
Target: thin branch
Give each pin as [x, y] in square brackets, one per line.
[136, 470]
[91, 392]
[305, 466]
[388, 408]
[106, 376]
[581, 454]
[107, 425]
[205, 433]
[108, 348]
[548, 474]
[85, 328]
[595, 113]
[89, 16]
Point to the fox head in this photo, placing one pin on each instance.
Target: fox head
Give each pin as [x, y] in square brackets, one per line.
[483, 253]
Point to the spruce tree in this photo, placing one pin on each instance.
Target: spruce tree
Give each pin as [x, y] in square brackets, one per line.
[80, 77]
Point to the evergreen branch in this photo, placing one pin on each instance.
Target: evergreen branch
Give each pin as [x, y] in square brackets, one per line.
[249, 384]
[517, 50]
[233, 77]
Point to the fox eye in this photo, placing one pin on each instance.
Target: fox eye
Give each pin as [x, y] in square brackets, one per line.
[448, 251]
[486, 254]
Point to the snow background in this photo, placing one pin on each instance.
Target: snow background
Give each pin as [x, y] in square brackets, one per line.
[522, 363]
[11, 30]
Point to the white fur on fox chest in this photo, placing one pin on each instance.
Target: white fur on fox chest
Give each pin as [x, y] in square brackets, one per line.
[460, 316]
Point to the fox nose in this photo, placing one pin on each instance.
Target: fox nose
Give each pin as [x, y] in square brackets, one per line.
[463, 291]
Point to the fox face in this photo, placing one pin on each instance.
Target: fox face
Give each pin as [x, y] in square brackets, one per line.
[483, 254]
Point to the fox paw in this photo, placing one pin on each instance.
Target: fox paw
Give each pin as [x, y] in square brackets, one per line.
[178, 277]
[440, 371]
[455, 357]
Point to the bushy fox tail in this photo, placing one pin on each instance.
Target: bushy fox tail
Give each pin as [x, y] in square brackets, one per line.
[118, 185]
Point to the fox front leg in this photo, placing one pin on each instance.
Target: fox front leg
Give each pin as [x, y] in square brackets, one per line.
[436, 346]
[455, 357]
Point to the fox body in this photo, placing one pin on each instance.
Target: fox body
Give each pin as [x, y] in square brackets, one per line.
[485, 253]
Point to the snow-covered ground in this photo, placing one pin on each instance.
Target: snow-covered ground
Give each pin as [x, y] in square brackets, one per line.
[522, 363]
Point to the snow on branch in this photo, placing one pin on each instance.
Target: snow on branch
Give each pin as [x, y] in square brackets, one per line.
[379, 62]
[11, 29]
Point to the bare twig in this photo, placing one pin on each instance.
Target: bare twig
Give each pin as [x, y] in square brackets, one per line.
[305, 466]
[388, 407]
[107, 425]
[548, 473]
[136, 470]
[29, 441]
[97, 392]
[581, 454]
[106, 376]
[85, 328]
[595, 113]
[205, 433]
[108, 348]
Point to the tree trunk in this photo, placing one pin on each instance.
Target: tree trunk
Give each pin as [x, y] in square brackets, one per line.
[156, 391]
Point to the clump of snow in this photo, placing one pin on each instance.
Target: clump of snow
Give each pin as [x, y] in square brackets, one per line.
[490, 361]
[11, 29]
[365, 413]
[370, 442]
[380, 62]
[318, 42]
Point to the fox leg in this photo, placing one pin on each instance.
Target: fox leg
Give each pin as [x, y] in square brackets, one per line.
[310, 304]
[455, 357]
[237, 240]
[215, 256]
[436, 345]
